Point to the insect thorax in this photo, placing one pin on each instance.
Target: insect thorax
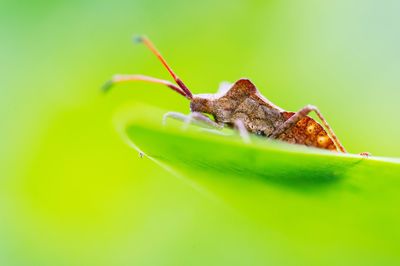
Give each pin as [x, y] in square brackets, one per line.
[257, 117]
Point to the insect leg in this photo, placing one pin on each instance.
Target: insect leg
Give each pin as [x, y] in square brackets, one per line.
[205, 119]
[195, 117]
[301, 114]
[129, 78]
[244, 134]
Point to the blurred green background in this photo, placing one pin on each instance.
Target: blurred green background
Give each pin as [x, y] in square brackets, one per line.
[72, 193]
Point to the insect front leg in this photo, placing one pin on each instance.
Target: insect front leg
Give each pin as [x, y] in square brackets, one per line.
[195, 118]
[292, 121]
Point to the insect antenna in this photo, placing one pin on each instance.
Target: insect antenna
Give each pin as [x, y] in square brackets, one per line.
[153, 49]
[127, 78]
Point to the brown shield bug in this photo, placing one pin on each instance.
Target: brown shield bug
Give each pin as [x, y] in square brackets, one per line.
[241, 106]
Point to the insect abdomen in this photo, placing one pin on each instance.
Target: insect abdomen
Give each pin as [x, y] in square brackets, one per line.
[308, 132]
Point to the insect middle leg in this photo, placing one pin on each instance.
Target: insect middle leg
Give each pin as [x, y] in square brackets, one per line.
[243, 133]
[292, 121]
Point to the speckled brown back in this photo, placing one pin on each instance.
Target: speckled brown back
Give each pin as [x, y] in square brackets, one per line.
[244, 102]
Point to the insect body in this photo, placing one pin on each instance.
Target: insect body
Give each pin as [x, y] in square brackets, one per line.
[241, 106]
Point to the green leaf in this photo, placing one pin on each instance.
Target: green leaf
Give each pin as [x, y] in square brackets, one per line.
[199, 149]
[338, 206]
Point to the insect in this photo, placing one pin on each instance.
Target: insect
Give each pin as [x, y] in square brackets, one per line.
[241, 106]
